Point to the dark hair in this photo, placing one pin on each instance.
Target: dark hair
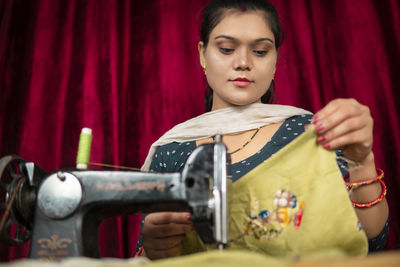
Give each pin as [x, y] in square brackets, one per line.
[214, 13]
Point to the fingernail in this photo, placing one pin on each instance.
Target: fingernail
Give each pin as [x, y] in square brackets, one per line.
[327, 146]
[321, 139]
[320, 127]
[315, 119]
[193, 228]
[189, 218]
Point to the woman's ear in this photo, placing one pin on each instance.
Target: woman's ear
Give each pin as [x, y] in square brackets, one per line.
[202, 50]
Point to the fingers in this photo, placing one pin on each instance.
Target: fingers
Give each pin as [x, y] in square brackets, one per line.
[163, 233]
[349, 131]
[351, 105]
[165, 230]
[337, 111]
[164, 224]
[163, 243]
[343, 122]
[169, 217]
[344, 140]
[154, 254]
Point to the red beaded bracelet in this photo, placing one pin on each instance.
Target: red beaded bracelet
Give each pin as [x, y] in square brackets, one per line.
[354, 185]
[374, 202]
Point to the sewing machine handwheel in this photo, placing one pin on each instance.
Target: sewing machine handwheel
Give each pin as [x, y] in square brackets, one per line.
[11, 174]
[20, 233]
[11, 168]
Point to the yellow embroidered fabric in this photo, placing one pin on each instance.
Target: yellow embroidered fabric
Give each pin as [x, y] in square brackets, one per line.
[295, 204]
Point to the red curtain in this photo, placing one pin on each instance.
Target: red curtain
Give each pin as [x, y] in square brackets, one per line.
[129, 70]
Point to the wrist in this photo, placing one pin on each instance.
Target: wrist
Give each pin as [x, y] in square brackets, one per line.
[368, 160]
[365, 170]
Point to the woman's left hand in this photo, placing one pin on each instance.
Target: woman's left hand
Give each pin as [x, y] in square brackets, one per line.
[345, 124]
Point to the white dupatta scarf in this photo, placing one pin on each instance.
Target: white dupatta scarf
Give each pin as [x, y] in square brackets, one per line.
[224, 121]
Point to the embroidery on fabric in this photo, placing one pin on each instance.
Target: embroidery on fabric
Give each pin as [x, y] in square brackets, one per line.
[270, 224]
[359, 226]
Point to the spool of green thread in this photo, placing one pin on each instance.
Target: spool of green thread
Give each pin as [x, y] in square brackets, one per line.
[85, 141]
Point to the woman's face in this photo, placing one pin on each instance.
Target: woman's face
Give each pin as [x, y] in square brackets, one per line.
[240, 59]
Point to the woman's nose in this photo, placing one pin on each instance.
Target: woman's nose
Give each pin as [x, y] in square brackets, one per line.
[243, 60]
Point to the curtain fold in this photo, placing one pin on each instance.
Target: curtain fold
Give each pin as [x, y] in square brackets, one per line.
[130, 71]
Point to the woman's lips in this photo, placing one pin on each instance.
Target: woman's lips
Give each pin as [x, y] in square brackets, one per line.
[241, 82]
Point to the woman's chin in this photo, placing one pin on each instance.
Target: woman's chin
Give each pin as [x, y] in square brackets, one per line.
[235, 102]
[245, 102]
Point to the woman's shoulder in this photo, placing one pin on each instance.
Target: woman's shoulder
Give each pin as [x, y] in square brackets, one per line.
[299, 121]
[171, 157]
[291, 128]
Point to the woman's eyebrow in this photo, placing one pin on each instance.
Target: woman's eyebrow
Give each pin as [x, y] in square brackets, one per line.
[263, 39]
[226, 37]
[235, 40]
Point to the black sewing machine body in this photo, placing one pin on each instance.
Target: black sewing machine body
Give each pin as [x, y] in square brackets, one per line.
[64, 209]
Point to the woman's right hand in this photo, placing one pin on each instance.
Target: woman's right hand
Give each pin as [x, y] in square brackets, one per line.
[163, 233]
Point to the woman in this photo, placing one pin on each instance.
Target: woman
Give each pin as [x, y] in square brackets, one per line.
[238, 52]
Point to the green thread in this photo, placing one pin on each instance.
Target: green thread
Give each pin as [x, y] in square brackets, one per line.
[85, 141]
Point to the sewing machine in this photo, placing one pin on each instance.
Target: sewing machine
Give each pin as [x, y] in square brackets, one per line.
[61, 211]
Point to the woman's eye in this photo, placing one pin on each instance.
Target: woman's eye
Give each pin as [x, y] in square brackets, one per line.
[260, 52]
[226, 51]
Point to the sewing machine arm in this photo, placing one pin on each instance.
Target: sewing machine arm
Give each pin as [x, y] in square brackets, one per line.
[65, 208]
